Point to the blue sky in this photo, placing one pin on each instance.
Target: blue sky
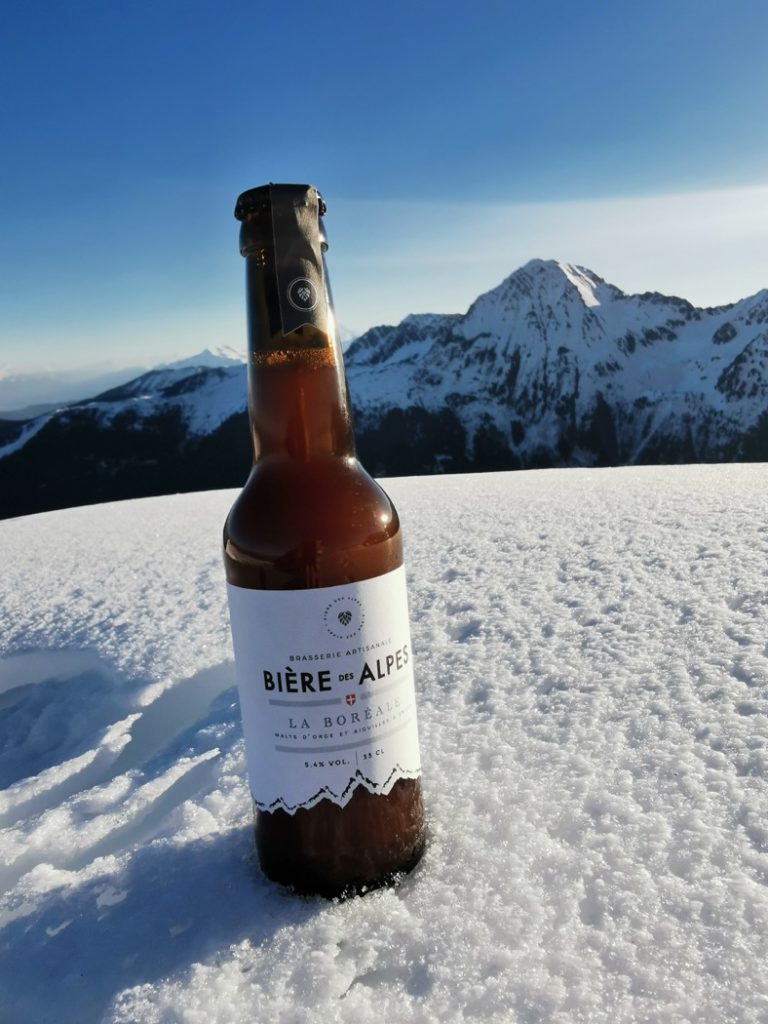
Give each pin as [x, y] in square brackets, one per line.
[453, 143]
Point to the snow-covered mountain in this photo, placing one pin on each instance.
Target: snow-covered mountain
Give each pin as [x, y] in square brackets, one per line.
[24, 395]
[173, 429]
[553, 367]
[556, 366]
[220, 355]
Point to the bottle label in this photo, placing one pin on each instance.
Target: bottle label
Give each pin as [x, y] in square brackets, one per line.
[325, 678]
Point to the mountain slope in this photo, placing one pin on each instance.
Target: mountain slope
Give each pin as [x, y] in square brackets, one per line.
[20, 392]
[553, 367]
[558, 366]
[168, 430]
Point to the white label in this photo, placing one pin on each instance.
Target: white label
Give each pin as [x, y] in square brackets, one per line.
[326, 690]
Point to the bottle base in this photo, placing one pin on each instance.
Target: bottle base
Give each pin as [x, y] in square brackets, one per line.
[334, 851]
[308, 884]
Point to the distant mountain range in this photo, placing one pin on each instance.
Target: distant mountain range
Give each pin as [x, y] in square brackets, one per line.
[553, 367]
[26, 395]
[221, 355]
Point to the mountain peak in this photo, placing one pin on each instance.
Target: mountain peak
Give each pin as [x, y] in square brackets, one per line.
[582, 279]
[543, 285]
[220, 355]
[537, 265]
[425, 319]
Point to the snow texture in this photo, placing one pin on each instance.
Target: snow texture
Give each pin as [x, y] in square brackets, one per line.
[592, 673]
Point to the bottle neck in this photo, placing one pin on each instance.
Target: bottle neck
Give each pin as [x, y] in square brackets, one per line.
[298, 401]
[297, 394]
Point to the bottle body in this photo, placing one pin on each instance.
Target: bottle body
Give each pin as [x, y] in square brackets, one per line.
[338, 810]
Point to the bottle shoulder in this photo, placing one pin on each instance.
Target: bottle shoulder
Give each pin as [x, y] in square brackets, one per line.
[315, 523]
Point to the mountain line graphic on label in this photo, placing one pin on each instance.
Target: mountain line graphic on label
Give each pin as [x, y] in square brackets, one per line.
[398, 772]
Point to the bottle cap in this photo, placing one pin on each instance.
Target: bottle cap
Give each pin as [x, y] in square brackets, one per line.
[259, 200]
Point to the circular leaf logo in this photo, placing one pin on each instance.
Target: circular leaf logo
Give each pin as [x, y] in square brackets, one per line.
[344, 618]
[302, 294]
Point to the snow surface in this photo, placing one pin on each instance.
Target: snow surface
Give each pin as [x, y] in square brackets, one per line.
[593, 684]
[583, 283]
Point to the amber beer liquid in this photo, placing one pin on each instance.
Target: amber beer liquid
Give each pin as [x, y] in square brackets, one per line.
[313, 555]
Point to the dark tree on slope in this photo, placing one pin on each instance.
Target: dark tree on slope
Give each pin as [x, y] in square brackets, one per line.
[601, 437]
[412, 441]
[71, 461]
[491, 449]
[754, 447]
[223, 458]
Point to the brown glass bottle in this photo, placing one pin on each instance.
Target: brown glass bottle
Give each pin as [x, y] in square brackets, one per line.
[308, 518]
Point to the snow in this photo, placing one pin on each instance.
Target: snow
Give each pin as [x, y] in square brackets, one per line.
[219, 355]
[204, 396]
[592, 679]
[27, 432]
[583, 283]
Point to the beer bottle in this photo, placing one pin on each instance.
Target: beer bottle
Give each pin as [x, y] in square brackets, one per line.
[313, 556]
